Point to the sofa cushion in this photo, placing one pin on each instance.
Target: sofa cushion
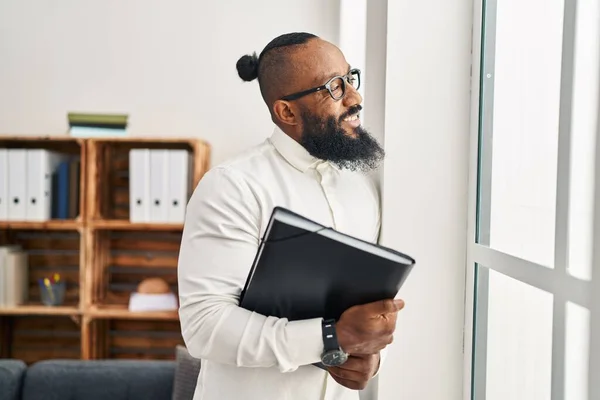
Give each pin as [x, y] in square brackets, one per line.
[11, 377]
[186, 374]
[99, 380]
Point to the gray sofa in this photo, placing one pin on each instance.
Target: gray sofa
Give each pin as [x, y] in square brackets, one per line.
[100, 379]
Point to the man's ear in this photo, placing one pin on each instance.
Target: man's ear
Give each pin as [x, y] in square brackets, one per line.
[285, 112]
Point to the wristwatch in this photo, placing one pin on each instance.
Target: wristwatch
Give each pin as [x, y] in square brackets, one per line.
[333, 355]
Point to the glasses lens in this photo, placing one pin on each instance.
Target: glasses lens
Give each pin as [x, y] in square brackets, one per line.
[337, 88]
[354, 79]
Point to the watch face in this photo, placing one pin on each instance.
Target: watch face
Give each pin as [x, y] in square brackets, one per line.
[334, 358]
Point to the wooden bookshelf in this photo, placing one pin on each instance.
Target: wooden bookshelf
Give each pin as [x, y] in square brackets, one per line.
[102, 255]
[116, 338]
[33, 338]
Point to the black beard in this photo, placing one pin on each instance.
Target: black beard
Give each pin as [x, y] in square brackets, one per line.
[324, 138]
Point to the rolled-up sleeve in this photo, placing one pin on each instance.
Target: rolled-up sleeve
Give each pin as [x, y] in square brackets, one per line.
[219, 244]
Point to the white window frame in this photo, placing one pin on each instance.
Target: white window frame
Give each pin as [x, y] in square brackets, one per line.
[557, 281]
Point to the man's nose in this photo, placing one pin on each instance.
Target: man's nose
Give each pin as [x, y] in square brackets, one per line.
[352, 97]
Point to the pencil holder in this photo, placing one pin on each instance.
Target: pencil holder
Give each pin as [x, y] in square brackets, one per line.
[52, 293]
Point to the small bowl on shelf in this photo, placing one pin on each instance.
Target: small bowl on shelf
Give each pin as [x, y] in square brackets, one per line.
[52, 293]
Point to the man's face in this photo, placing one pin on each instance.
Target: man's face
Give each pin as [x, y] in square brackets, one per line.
[331, 129]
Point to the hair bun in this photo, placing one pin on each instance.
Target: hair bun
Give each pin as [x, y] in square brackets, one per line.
[247, 67]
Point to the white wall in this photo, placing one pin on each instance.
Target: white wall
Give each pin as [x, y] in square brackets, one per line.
[363, 40]
[169, 64]
[352, 37]
[425, 185]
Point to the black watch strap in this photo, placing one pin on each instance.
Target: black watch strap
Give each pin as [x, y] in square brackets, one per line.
[330, 340]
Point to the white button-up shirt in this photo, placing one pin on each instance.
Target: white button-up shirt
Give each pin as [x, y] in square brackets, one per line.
[245, 355]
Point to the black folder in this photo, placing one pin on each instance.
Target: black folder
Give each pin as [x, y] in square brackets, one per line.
[305, 270]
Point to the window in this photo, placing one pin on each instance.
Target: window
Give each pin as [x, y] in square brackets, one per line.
[533, 303]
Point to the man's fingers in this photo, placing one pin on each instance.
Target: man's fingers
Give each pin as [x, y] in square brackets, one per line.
[361, 355]
[387, 306]
[357, 363]
[357, 368]
[356, 371]
[349, 375]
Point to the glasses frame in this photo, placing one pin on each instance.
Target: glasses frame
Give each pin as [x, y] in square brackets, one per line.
[327, 85]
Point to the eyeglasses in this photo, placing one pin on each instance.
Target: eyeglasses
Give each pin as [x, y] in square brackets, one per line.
[336, 86]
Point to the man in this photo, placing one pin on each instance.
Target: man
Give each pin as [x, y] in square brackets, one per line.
[312, 164]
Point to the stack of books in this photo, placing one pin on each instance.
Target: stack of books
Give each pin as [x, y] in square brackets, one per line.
[159, 185]
[38, 185]
[97, 125]
[14, 276]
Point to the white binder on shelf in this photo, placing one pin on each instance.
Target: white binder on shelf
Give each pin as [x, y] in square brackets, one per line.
[178, 185]
[41, 163]
[158, 185]
[17, 185]
[3, 184]
[139, 185]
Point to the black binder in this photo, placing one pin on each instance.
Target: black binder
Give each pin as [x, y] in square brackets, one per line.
[305, 270]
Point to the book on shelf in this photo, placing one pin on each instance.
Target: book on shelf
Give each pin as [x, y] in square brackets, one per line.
[66, 190]
[96, 131]
[163, 198]
[96, 119]
[3, 184]
[38, 185]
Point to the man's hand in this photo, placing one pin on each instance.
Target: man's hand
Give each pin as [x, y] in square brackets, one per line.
[356, 372]
[368, 328]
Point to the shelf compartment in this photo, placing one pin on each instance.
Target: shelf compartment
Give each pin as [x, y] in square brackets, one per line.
[121, 260]
[36, 338]
[49, 252]
[75, 148]
[136, 339]
[108, 171]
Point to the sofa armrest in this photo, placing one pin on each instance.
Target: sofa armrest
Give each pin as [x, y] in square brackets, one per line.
[11, 378]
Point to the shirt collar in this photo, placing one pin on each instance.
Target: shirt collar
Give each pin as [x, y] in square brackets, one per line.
[294, 152]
